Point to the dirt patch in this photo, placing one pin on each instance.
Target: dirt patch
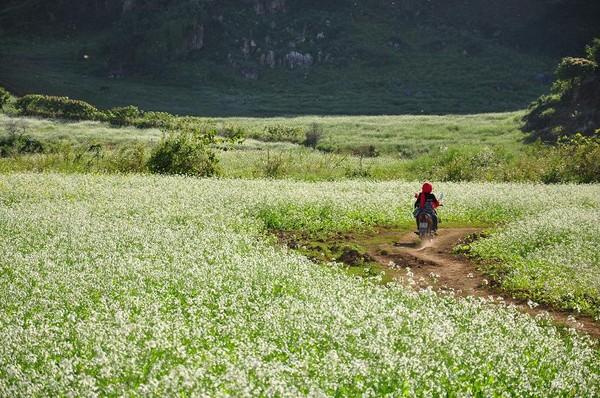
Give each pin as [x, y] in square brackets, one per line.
[402, 257]
[353, 257]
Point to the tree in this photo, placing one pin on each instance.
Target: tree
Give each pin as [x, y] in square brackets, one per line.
[573, 105]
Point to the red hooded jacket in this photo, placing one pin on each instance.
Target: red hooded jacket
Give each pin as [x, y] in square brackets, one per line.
[425, 195]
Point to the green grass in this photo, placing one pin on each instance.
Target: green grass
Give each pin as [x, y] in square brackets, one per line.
[79, 132]
[404, 135]
[397, 138]
[145, 285]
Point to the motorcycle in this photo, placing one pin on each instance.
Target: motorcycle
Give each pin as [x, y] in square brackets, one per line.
[425, 222]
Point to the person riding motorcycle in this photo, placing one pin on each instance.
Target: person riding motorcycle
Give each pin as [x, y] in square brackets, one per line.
[426, 202]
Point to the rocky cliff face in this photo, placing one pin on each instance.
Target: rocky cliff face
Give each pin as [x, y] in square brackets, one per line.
[250, 37]
[254, 36]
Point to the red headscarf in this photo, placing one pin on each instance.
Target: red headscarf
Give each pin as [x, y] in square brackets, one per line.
[427, 188]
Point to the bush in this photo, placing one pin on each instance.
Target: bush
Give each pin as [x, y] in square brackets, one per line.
[580, 158]
[365, 151]
[282, 133]
[462, 164]
[574, 68]
[133, 116]
[313, 135]
[155, 120]
[4, 97]
[16, 142]
[231, 132]
[129, 159]
[186, 150]
[274, 165]
[56, 108]
[593, 51]
[124, 116]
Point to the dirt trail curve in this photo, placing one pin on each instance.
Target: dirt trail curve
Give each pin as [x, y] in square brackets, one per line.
[435, 262]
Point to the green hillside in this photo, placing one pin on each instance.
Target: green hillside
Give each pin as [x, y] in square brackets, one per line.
[278, 57]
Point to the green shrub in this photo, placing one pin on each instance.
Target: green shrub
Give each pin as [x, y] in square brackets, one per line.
[56, 108]
[574, 68]
[186, 150]
[66, 108]
[282, 133]
[124, 116]
[462, 164]
[129, 159]
[133, 116]
[232, 132]
[593, 51]
[313, 135]
[274, 165]
[365, 151]
[4, 97]
[17, 142]
[154, 120]
[580, 158]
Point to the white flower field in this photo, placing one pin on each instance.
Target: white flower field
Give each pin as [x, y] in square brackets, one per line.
[168, 286]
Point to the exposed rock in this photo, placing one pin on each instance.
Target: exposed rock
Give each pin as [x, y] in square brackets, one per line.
[277, 6]
[262, 7]
[196, 39]
[128, 5]
[296, 59]
[268, 59]
[396, 43]
[259, 8]
[246, 48]
[249, 73]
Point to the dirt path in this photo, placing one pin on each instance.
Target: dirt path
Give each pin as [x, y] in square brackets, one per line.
[435, 265]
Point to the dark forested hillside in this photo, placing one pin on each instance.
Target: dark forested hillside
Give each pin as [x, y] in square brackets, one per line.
[404, 56]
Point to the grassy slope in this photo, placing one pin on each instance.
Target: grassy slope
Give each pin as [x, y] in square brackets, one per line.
[383, 81]
[407, 135]
[82, 132]
[403, 135]
[398, 138]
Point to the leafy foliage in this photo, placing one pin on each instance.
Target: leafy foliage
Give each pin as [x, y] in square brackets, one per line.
[579, 158]
[188, 148]
[124, 116]
[65, 108]
[575, 68]
[4, 97]
[573, 106]
[17, 142]
[313, 135]
[184, 151]
[281, 133]
[56, 107]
